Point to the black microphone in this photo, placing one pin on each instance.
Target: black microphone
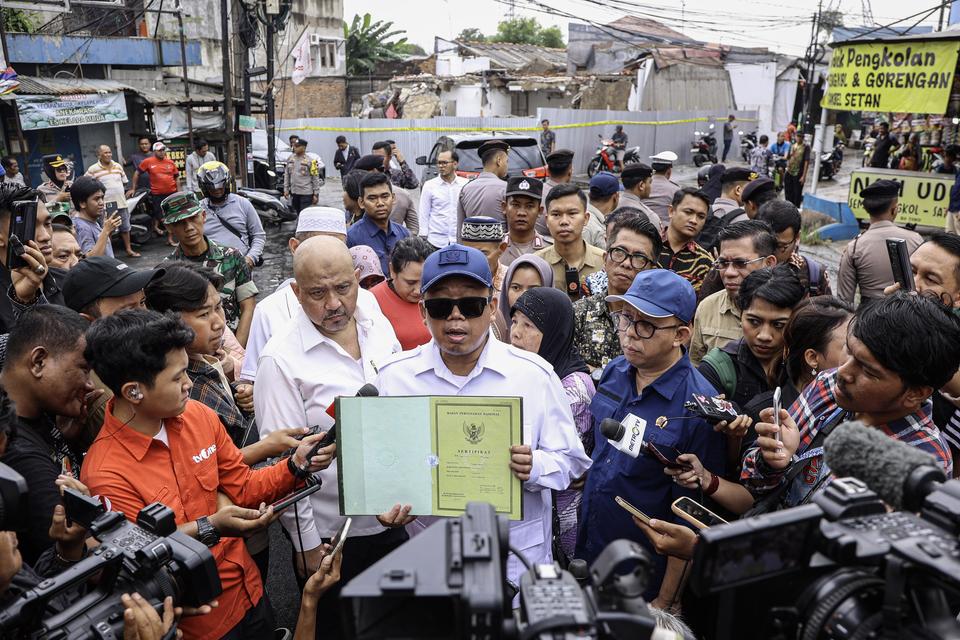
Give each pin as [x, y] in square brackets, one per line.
[626, 436]
[900, 474]
[366, 391]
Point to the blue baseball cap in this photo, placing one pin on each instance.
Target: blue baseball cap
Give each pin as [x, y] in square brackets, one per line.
[660, 293]
[455, 260]
[605, 184]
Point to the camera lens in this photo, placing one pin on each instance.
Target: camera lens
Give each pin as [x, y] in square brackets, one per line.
[843, 604]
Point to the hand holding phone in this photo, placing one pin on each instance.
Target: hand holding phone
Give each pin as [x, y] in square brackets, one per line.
[21, 229]
[776, 411]
[632, 510]
[296, 496]
[666, 455]
[900, 263]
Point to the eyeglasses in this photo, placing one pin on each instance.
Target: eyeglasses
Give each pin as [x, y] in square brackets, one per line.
[441, 308]
[443, 163]
[786, 246]
[642, 328]
[638, 261]
[738, 264]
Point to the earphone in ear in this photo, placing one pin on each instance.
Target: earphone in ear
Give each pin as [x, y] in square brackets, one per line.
[136, 394]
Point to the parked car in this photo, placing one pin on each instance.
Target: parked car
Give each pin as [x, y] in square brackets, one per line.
[524, 156]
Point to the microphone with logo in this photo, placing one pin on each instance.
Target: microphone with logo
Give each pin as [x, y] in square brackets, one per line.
[625, 436]
[901, 475]
[366, 391]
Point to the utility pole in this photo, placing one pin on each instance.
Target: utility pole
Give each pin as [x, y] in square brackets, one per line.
[811, 65]
[228, 117]
[271, 113]
[186, 80]
[24, 154]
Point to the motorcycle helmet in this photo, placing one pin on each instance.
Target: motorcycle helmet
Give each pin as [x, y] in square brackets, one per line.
[215, 175]
[703, 175]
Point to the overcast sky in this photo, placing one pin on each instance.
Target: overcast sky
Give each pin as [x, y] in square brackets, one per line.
[781, 25]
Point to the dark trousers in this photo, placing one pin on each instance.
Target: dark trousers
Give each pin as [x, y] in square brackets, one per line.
[359, 554]
[793, 189]
[726, 148]
[156, 200]
[258, 624]
[299, 203]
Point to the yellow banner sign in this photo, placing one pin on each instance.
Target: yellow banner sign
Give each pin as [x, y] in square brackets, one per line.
[912, 77]
[923, 196]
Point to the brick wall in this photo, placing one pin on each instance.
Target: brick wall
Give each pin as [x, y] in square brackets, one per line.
[312, 98]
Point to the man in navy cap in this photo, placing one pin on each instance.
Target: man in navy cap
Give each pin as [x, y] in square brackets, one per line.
[732, 183]
[647, 387]
[662, 188]
[484, 195]
[865, 263]
[462, 359]
[756, 194]
[559, 171]
[637, 179]
[523, 210]
[604, 198]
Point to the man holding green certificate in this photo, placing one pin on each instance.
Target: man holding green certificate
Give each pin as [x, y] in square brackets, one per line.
[463, 360]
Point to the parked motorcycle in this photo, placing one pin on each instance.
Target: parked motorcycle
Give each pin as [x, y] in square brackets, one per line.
[269, 205]
[830, 162]
[748, 142]
[705, 148]
[140, 207]
[605, 158]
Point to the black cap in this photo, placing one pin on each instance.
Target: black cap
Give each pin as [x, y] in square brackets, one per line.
[369, 162]
[560, 159]
[637, 170]
[881, 189]
[490, 146]
[738, 174]
[103, 277]
[523, 186]
[757, 187]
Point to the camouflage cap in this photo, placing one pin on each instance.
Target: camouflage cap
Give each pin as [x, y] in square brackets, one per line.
[180, 206]
[60, 213]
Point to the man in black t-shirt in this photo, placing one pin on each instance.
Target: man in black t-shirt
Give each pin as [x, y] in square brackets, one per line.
[46, 375]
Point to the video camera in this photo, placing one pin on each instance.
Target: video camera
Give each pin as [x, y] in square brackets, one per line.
[843, 566]
[450, 582]
[150, 558]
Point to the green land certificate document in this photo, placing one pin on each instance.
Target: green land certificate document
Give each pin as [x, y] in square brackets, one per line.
[433, 453]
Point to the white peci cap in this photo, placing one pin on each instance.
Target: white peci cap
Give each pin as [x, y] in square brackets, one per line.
[326, 219]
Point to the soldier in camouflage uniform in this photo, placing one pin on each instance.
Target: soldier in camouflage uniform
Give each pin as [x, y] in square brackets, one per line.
[184, 217]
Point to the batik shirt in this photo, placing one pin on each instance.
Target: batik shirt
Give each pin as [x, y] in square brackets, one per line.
[237, 282]
[595, 334]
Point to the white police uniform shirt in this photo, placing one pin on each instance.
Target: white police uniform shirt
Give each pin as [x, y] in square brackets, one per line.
[275, 311]
[503, 370]
[300, 373]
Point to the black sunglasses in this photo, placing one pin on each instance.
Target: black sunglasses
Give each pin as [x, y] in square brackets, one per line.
[441, 308]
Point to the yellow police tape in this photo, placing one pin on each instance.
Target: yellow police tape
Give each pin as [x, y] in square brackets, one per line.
[576, 125]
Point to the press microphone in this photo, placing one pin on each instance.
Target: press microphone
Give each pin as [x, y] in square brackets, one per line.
[901, 475]
[625, 436]
[366, 391]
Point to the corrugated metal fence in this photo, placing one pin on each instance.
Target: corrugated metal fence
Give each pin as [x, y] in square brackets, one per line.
[652, 131]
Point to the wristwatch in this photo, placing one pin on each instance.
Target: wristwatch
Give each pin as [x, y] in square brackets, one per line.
[206, 532]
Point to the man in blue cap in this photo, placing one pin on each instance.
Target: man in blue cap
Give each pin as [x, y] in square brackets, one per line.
[464, 359]
[648, 385]
[604, 198]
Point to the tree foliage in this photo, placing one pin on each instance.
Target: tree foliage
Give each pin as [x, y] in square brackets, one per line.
[369, 44]
[518, 31]
[16, 20]
[471, 35]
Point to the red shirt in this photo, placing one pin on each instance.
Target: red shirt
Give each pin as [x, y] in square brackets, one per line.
[404, 316]
[163, 175]
[133, 470]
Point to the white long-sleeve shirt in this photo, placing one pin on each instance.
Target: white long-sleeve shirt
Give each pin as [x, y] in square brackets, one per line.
[558, 455]
[301, 372]
[275, 311]
[438, 210]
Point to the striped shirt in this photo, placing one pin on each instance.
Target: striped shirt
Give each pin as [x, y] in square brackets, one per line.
[115, 181]
[692, 262]
[817, 408]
